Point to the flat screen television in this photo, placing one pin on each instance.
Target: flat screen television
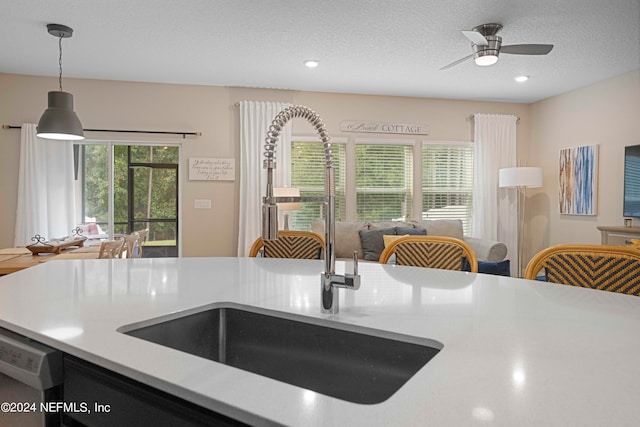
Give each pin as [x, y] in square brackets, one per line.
[631, 206]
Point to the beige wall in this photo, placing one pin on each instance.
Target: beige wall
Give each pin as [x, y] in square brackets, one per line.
[127, 105]
[212, 111]
[607, 114]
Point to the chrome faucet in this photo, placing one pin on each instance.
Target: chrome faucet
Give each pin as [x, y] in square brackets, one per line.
[330, 281]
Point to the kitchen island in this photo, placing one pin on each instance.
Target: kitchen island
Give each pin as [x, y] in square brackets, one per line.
[515, 352]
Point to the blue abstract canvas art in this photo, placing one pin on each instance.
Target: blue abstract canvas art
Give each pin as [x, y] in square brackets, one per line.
[578, 173]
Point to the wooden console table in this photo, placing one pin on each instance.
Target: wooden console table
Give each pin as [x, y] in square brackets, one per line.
[618, 235]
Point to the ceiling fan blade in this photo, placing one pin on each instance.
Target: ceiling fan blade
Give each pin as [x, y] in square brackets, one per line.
[475, 38]
[527, 49]
[454, 63]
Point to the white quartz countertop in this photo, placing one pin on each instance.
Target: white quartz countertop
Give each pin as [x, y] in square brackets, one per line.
[516, 352]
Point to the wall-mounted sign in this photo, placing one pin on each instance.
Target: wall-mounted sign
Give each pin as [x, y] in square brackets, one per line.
[211, 169]
[383, 127]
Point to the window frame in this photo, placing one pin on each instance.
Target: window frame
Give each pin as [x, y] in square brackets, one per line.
[417, 145]
[110, 144]
[412, 144]
[334, 141]
[467, 222]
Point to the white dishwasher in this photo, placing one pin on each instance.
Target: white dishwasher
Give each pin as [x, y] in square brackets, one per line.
[30, 376]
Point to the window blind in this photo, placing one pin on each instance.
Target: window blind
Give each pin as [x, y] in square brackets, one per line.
[307, 174]
[447, 182]
[384, 181]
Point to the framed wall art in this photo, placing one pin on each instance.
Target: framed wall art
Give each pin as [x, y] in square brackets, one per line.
[211, 169]
[578, 180]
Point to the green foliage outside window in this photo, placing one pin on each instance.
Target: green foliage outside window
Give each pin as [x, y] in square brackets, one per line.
[307, 174]
[384, 180]
[447, 182]
[154, 188]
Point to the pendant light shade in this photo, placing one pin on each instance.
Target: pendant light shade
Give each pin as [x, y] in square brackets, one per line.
[59, 121]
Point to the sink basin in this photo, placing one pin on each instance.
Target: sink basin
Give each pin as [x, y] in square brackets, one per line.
[356, 364]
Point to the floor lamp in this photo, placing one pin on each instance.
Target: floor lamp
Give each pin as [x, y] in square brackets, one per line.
[286, 207]
[520, 178]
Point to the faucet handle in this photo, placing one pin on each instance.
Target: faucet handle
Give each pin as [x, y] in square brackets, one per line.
[355, 263]
[269, 221]
[352, 281]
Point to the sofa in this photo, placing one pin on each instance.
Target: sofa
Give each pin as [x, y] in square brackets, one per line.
[350, 236]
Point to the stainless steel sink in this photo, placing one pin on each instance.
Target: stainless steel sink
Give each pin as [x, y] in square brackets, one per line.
[356, 364]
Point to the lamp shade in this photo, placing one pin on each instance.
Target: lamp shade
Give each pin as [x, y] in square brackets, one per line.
[287, 192]
[520, 177]
[59, 121]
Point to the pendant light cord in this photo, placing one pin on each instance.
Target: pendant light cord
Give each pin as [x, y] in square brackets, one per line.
[60, 62]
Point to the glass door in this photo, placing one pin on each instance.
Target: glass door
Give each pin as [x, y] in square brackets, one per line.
[128, 188]
[153, 198]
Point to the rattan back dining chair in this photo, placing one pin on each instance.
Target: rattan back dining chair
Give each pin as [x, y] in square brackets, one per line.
[290, 244]
[441, 252]
[111, 249]
[602, 267]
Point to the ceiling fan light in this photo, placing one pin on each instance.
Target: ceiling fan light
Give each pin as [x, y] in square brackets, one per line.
[487, 55]
[486, 60]
[59, 121]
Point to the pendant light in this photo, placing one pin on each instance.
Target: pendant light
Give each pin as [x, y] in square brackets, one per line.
[59, 121]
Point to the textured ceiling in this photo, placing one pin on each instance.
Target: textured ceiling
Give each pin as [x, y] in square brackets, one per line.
[364, 46]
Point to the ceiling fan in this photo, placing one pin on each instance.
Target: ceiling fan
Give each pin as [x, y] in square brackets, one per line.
[487, 45]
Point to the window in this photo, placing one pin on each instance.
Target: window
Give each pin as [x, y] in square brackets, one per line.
[384, 181]
[375, 180]
[447, 182]
[307, 174]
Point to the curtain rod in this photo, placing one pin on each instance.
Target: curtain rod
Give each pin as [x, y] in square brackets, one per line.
[184, 134]
[470, 117]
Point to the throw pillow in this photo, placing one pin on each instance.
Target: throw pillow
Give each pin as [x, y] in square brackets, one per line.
[499, 268]
[388, 239]
[373, 242]
[411, 231]
[442, 227]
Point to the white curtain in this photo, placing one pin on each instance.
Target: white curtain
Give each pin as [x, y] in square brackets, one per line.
[46, 197]
[495, 210]
[255, 119]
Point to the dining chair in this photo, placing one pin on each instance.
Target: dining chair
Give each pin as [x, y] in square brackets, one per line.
[144, 235]
[133, 245]
[111, 249]
[290, 244]
[440, 252]
[602, 267]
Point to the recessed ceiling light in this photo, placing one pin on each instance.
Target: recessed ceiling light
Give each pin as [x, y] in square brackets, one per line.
[521, 79]
[311, 63]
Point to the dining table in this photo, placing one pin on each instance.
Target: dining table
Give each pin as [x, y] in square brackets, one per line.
[20, 258]
[16, 259]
